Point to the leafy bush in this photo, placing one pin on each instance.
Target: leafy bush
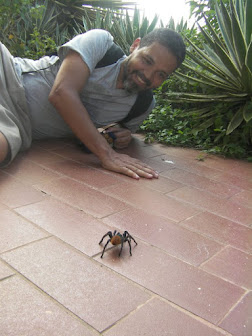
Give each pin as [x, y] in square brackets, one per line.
[171, 125]
[224, 67]
[33, 28]
[25, 30]
[217, 92]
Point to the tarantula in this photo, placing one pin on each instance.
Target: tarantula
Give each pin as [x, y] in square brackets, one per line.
[117, 238]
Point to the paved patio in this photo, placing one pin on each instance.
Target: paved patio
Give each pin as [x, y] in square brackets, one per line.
[190, 273]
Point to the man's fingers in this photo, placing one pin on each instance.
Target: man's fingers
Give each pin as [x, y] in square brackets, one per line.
[117, 129]
[123, 170]
[123, 136]
[119, 132]
[129, 172]
[144, 166]
[143, 171]
[121, 143]
[134, 172]
[129, 166]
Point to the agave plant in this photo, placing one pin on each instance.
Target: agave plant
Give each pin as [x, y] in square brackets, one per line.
[201, 8]
[68, 15]
[179, 27]
[223, 68]
[59, 20]
[127, 29]
[123, 27]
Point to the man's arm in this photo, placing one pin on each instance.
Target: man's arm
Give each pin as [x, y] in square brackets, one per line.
[3, 148]
[65, 97]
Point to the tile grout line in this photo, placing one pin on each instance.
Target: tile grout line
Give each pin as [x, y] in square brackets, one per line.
[207, 210]
[163, 194]
[37, 226]
[203, 189]
[8, 276]
[196, 317]
[128, 279]
[50, 235]
[175, 306]
[24, 245]
[141, 287]
[63, 175]
[214, 239]
[91, 258]
[152, 296]
[127, 315]
[193, 266]
[70, 205]
[196, 188]
[218, 170]
[49, 297]
[123, 277]
[19, 206]
[221, 277]
[213, 256]
[233, 307]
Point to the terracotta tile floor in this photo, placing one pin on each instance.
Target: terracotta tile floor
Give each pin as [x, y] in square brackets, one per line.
[190, 274]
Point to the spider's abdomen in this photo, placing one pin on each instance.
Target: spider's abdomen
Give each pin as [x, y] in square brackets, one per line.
[116, 240]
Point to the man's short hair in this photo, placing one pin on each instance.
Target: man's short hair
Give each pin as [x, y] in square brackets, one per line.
[167, 38]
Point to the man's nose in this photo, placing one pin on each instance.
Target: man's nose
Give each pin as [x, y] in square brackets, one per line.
[149, 75]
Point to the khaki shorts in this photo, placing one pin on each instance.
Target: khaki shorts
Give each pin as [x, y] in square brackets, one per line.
[15, 122]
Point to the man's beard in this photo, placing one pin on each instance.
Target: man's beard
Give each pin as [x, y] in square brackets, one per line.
[128, 84]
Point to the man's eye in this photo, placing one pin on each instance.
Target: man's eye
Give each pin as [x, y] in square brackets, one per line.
[162, 75]
[146, 61]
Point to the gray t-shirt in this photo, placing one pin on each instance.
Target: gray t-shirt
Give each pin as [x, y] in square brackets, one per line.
[103, 101]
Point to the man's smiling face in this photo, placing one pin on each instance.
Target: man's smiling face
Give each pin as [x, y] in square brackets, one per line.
[147, 67]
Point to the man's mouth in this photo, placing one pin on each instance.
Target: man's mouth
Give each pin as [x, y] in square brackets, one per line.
[135, 81]
[141, 80]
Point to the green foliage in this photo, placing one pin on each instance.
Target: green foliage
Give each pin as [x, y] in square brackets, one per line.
[26, 30]
[177, 124]
[171, 125]
[220, 75]
[39, 45]
[124, 28]
[205, 8]
[32, 28]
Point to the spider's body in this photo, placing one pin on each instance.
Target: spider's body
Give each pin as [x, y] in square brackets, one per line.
[117, 238]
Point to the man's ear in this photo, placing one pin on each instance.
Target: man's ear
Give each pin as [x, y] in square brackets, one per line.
[135, 44]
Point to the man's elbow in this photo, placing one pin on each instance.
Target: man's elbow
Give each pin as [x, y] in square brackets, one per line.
[59, 95]
[55, 96]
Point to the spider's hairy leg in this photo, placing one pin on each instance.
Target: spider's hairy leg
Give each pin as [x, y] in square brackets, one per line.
[128, 240]
[107, 234]
[121, 247]
[129, 236]
[105, 247]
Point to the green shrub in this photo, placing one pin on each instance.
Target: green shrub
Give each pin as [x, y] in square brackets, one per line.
[171, 124]
[223, 71]
[211, 94]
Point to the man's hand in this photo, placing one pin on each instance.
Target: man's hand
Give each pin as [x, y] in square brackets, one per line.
[124, 164]
[123, 136]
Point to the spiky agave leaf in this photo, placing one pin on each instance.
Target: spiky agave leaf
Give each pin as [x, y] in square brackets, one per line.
[224, 65]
